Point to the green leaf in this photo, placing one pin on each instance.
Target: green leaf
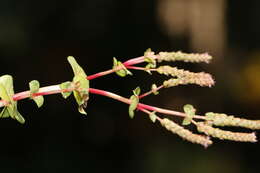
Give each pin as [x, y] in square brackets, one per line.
[148, 67]
[122, 72]
[19, 118]
[137, 91]
[148, 70]
[6, 93]
[81, 84]
[134, 103]
[34, 88]
[115, 62]
[148, 52]
[189, 109]
[154, 89]
[81, 110]
[4, 113]
[190, 112]
[6, 90]
[63, 86]
[77, 69]
[186, 121]
[5, 96]
[152, 116]
[151, 61]
[39, 100]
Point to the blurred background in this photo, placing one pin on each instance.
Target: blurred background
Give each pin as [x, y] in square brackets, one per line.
[37, 36]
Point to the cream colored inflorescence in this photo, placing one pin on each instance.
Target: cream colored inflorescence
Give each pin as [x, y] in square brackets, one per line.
[225, 120]
[186, 57]
[225, 135]
[185, 77]
[185, 134]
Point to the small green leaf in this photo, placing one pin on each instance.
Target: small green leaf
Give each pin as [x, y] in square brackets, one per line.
[34, 88]
[190, 112]
[148, 70]
[148, 67]
[4, 113]
[148, 52]
[81, 93]
[6, 96]
[81, 83]
[19, 118]
[128, 72]
[134, 103]
[115, 62]
[152, 116]
[77, 69]
[122, 72]
[189, 109]
[186, 121]
[154, 89]
[137, 91]
[6, 93]
[39, 100]
[81, 110]
[6, 90]
[63, 86]
[151, 61]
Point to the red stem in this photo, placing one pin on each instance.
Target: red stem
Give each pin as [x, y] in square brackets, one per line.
[100, 74]
[140, 105]
[49, 90]
[127, 64]
[54, 89]
[150, 92]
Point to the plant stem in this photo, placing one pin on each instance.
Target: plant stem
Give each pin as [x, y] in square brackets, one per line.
[136, 68]
[48, 90]
[129, 63]
[101, 74]
[55, 89]
[148, 113]
[141, 105]
[150, 92]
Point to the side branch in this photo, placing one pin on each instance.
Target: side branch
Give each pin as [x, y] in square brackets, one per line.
[141, 105]
[55, 89]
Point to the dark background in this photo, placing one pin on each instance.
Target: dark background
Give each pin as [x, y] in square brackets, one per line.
[37, 36]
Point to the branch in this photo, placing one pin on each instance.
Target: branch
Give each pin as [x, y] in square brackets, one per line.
[79, 86]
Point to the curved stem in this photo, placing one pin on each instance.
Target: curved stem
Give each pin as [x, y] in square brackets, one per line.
[141, 105]
[129, 63]
[55, 89]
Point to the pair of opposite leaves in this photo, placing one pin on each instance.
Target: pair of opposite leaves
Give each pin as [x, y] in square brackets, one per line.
[7, 92]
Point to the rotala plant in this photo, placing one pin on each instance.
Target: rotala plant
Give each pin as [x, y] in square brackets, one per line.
[80, 87]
